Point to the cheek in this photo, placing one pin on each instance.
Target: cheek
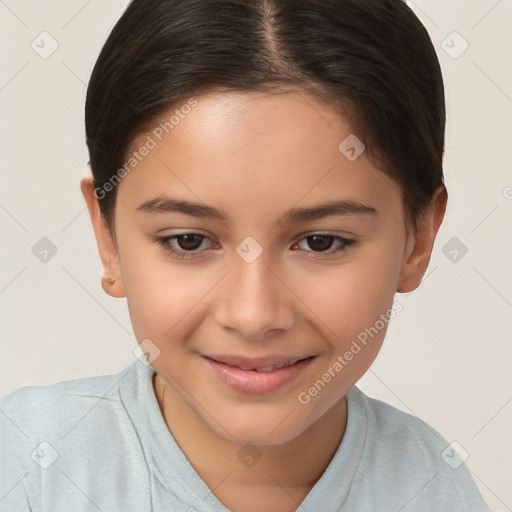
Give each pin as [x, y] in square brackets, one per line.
[160, 301]
[350, 297]
[354, 302]
[159, 293]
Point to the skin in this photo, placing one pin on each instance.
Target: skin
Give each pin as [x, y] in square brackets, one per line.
[255, 156]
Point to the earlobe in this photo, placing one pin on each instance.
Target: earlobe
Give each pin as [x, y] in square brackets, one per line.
[112, 281]
[421, 244]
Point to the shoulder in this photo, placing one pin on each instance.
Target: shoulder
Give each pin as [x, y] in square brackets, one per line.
[47, 428]
[405, 453]
[399, 428]
[46, 413]
[41, 406]
[387, 421]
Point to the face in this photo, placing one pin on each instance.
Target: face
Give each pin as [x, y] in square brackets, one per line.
[258, 273]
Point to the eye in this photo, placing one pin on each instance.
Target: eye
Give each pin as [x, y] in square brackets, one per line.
[184, 245]
[322, 243]
[188, 245]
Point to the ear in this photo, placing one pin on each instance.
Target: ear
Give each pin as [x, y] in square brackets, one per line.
[112, 281]
[421, 242]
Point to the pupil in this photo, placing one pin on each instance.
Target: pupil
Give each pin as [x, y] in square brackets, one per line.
[320, 247]
[189, 237]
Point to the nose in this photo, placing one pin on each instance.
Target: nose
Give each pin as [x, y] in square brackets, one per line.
[255, 301]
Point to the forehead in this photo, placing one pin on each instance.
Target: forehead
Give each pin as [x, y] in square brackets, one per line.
[252, 148]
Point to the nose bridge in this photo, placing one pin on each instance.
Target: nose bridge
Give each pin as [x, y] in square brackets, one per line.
[254, 301]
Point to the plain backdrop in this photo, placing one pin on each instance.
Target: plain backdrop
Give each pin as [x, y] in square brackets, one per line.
[447, 355]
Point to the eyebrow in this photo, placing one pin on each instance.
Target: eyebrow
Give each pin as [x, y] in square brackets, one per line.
[295, 215]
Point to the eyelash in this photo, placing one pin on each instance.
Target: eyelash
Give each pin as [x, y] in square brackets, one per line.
[164, 242]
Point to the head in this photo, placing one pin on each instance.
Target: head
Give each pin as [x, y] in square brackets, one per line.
[259, 111]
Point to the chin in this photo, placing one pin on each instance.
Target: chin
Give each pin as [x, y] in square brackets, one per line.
[251, 436]
[259, 428]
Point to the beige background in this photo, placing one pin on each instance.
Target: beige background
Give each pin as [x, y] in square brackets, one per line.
[447, 356]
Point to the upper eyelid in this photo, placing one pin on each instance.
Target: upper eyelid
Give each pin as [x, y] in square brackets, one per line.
[299, 236]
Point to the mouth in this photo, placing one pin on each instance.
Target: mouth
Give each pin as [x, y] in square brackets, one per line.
[259, 375]
[260, 364]
[266, 369]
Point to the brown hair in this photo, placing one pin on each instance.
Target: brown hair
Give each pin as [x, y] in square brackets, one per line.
[373, 60]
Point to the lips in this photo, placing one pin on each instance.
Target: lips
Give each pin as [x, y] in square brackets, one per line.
[257, 376]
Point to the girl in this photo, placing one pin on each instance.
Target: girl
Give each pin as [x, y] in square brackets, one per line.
[266, 176]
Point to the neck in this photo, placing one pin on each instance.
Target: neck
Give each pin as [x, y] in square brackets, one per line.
[296, 464]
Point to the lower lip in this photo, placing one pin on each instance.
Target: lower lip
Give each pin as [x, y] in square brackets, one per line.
[256, 383]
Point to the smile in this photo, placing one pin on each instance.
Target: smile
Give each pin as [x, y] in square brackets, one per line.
[257, 376]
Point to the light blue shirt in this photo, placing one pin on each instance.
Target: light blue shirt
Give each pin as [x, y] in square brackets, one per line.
[102, 444]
